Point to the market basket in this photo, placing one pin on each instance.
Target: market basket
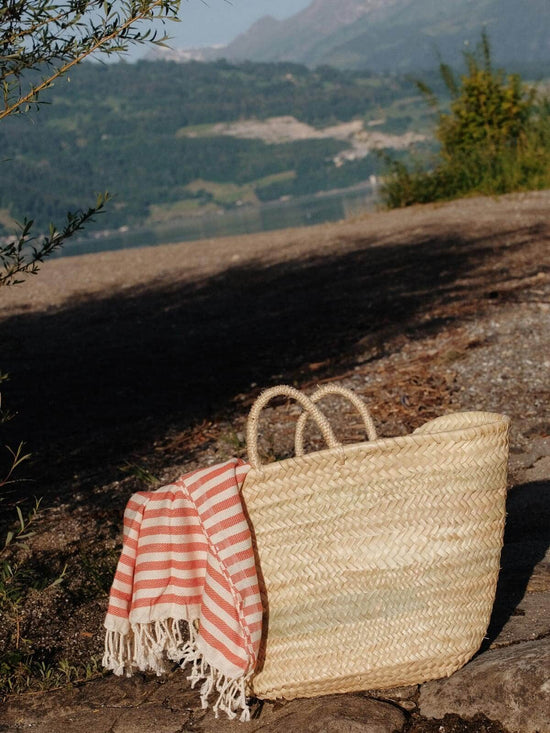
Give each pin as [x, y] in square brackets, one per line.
[377, 561]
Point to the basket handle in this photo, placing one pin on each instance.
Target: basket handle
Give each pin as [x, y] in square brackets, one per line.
[303, 400]
[323, 391]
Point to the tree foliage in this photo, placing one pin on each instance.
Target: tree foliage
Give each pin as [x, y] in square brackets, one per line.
[49, 37]
[494, 137]
[40, 41]
[21, 257]
[488, 107]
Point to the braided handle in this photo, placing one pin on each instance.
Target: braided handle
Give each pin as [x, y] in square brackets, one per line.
[327, 389]
[303, 400]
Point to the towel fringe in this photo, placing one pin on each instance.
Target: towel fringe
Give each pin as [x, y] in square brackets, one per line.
[145, 648]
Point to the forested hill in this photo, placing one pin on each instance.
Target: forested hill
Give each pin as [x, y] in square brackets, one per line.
[149, 133]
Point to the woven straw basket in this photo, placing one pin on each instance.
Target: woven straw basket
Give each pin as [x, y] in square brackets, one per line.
[378, 561]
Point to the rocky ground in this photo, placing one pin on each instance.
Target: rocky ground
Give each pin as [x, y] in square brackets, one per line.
[129, 368]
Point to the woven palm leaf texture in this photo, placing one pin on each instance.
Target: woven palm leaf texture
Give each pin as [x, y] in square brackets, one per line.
[378, 561]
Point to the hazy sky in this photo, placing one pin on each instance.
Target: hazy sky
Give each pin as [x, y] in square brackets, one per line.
[209, 22]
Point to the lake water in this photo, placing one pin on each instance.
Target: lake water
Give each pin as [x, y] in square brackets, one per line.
[297, 212]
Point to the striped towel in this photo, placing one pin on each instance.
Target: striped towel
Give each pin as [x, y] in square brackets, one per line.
[187, 557]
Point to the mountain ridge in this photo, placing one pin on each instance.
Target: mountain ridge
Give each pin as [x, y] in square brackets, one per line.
[397, 35]
[317, 21]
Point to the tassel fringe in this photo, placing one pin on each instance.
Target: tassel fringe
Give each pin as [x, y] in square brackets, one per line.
[146, 647]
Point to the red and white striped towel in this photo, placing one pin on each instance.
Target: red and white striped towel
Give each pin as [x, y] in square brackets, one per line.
[187, 557]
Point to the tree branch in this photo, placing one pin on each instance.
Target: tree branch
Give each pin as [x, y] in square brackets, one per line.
[138, 12]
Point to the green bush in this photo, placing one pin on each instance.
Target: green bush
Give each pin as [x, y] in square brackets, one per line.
[494, 139]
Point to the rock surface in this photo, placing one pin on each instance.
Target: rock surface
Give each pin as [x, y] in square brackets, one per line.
[331, 714]
[509, 685]
[168, 706]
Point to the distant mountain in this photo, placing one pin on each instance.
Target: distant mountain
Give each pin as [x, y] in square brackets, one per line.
[295, 38]
[398, 35]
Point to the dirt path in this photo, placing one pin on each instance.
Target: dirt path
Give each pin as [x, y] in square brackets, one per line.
[109, 352]
[144, 362]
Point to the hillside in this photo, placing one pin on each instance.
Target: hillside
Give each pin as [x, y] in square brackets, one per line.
[400, 35]
[164, 139]
[131, 368]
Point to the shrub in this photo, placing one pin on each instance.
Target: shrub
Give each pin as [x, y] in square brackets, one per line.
[494, 138]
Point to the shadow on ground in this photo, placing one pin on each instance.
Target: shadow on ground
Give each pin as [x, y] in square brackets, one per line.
[96, 382]
[526, 541]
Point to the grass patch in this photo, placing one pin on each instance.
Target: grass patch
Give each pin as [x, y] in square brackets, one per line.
[226, 195]
[208, 197]
[20, 672]
[203, 130]
[275, 178]
[161, 213]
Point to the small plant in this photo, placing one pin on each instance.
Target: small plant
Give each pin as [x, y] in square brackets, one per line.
[14, 575]
[21, 673]
[233, 440]
[23, 255]
[140, 472]
[23, 531]
[494, 139]
[16, 456]
[18, 577]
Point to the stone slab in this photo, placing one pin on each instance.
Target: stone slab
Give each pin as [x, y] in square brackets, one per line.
[167, 705]
[330, 714]
[529, 621]
[510, 685]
